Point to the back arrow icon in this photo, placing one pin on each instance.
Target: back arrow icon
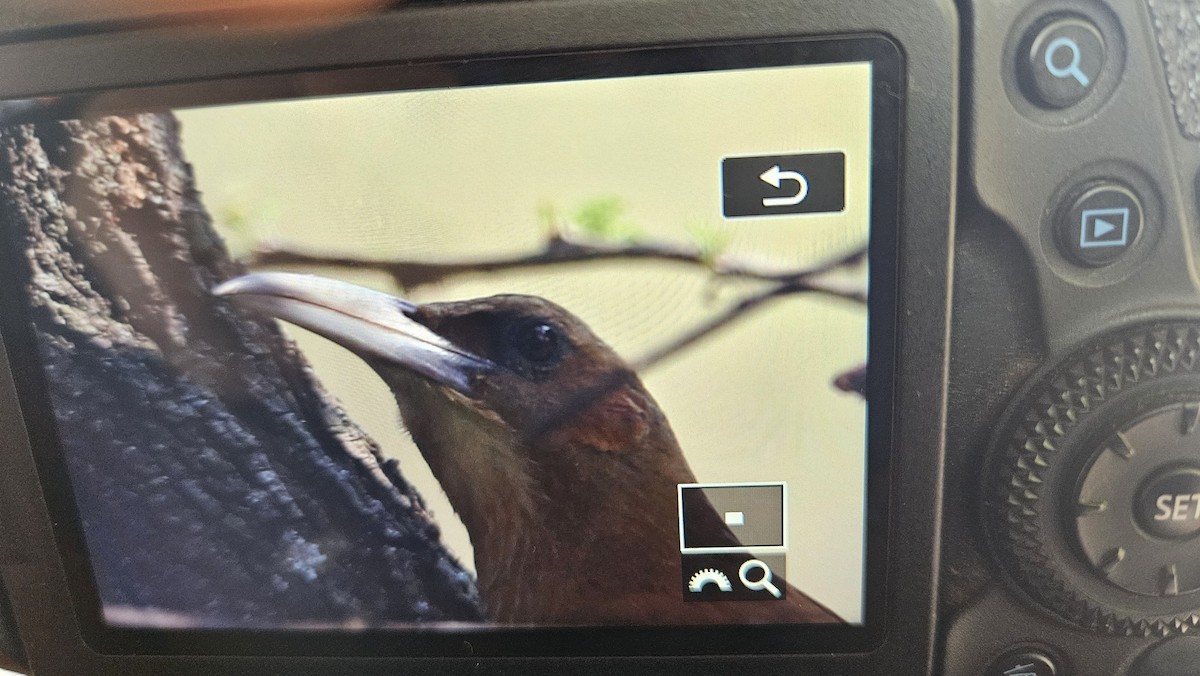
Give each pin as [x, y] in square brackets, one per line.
[775, 177]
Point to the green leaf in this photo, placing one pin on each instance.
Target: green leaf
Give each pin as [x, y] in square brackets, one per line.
[604, 218]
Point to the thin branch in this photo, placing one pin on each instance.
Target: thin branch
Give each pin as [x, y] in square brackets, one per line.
[559, 250]
[741, 309]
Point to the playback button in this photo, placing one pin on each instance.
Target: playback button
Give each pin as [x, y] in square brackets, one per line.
[1100, 225]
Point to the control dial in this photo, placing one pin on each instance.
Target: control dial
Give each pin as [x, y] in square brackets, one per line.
[1094, 497]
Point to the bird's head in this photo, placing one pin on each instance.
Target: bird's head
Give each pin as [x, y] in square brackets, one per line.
[513, 401]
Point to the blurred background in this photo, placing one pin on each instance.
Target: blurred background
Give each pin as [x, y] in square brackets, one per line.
[487, 172]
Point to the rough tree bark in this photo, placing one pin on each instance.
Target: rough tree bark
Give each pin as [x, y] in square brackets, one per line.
[218, 484]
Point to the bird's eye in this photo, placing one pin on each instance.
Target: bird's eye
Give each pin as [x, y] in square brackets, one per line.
[537, 342]
[529, 346]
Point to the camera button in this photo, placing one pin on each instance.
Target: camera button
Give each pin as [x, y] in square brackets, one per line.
[1102, 223]
[1024, 662]
[1060, 62]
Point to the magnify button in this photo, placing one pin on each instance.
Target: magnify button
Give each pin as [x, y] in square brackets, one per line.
[1071, 69]
[1062, 62]
[765, 581]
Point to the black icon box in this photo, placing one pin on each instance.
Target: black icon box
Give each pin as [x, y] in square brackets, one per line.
[776, 185]
[719, 577]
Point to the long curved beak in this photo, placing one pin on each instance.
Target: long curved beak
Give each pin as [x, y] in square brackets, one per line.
[371, 324]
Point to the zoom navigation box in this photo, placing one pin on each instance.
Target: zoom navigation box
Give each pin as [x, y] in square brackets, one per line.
[733, 541]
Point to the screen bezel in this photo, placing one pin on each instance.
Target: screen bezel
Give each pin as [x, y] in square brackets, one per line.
[887, 79]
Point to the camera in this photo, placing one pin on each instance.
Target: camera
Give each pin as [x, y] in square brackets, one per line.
[572, 336]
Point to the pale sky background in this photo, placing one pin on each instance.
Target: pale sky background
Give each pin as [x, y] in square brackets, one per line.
[452, 174]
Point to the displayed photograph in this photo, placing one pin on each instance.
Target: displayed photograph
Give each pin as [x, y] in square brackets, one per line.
[569, 353]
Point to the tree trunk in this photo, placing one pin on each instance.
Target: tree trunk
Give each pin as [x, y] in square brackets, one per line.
[218, 485]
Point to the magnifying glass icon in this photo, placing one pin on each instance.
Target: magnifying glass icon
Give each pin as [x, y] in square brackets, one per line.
[1072, 67]
[762, 583]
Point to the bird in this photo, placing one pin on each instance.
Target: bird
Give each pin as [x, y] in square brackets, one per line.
[561, 465]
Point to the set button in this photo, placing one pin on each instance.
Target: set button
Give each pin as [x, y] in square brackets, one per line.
[1137, 514]
[1168, 504]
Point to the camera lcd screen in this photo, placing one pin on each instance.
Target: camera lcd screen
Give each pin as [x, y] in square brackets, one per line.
[579, 343]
